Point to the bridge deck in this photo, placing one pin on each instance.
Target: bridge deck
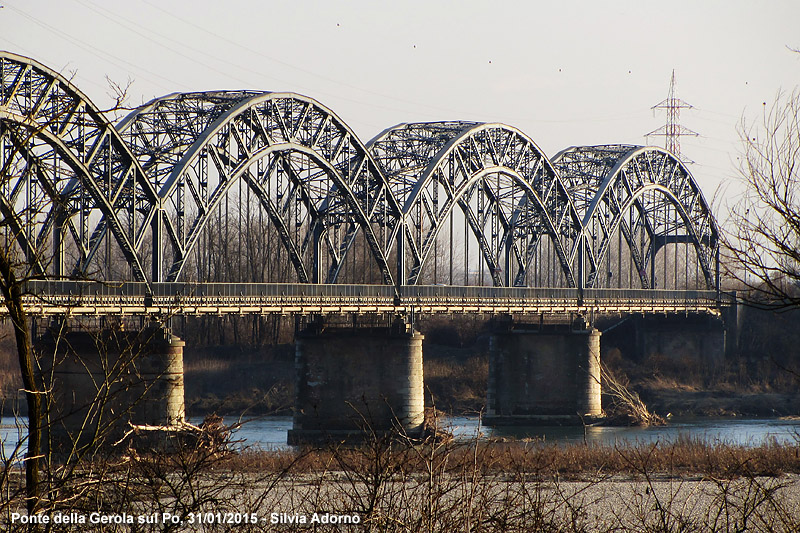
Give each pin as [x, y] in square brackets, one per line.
[92, 298]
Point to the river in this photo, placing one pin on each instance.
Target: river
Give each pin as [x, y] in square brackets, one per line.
[269, 433]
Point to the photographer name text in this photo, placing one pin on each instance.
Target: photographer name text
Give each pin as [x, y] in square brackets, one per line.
[190, 518]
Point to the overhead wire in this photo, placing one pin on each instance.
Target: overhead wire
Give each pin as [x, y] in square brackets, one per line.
[123, 22]
[295, 67]
[127, 25]
[159, 39]
[97, 52]
[416, 104]
[173, 84]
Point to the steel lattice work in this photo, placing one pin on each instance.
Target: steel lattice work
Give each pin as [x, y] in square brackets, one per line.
[307, 170]
[506, 190]
[211, 186]
[648, 197]
[64, 167]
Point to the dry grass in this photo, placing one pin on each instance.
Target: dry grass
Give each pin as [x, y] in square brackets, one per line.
[394, 484]
[681, 458]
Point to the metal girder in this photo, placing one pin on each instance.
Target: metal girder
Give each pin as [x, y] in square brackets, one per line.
[83, 298]
[198, 145]
[90, 171]
[120, 202]
[650, 187]
[161, 131]
[507, 189]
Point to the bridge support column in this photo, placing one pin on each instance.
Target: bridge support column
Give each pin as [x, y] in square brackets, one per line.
[159, 380]
[543, 375]
[352, 382]
[103, 382]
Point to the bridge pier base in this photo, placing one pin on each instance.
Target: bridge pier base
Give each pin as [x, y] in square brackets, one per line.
[104, 382]
[355, 382]
[543, 375]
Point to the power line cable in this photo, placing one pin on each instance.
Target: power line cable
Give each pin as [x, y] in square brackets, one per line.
[101, 54]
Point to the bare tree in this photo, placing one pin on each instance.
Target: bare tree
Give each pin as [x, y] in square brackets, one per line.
[764, 239]
[27, 158]
[12, 295]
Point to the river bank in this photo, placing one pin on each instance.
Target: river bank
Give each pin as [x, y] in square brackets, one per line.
[393, 485]
[677, 402]
[719, 402]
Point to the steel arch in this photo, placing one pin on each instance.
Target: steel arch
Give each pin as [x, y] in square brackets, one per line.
[643, 182]
[73, 163]
[161, 131]
[74, 184]
[519, 195]
[316, 157]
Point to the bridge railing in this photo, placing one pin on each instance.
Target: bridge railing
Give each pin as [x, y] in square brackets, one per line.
[266, 290]
[67, 293]
[604, 296]
[485, 296]
[139, 297]
[526, 296]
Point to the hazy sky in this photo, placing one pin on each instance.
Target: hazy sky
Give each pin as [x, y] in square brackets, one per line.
[566, 73]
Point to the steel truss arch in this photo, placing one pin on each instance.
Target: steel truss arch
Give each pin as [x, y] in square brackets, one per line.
[74, 167]
[657, 193]
[160, 132]
[307, 159]
[80, 197]
[505, 186]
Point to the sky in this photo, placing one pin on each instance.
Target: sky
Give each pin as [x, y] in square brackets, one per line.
[565, 73]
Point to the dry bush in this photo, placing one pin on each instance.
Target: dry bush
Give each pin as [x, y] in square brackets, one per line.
[395, 484]
[531, 486]
[624, 406]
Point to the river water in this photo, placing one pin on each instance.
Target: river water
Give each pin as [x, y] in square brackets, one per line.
[269, 433]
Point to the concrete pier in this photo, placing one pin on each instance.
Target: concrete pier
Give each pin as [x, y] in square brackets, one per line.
[102, 382]
[157, 381]
[543, 375]
[352, 382]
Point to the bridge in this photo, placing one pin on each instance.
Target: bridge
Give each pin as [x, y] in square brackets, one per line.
[247, 202]
[77, 298]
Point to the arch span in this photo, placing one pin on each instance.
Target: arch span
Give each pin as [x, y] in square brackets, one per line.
[83, 198]
[65, 167]
[508, 193]
[305, 167]
[649, 197]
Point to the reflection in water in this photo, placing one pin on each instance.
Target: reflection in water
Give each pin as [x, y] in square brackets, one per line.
[12, 431]
[269, 433]
[742, 432]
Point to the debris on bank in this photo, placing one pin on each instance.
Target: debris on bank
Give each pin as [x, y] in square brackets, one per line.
[624, 407]
[212, 435]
